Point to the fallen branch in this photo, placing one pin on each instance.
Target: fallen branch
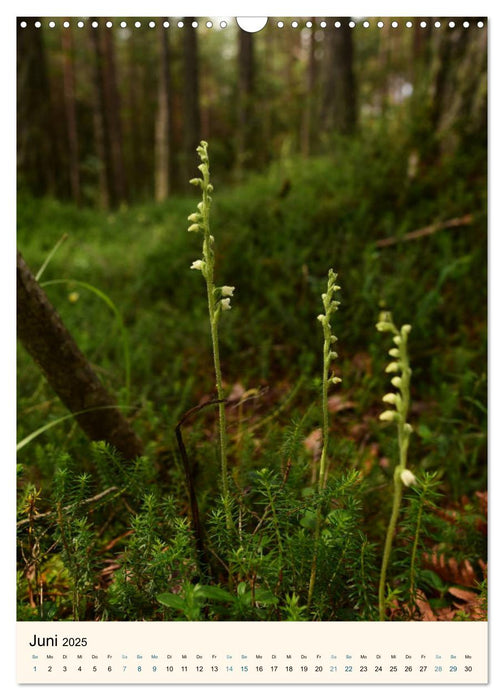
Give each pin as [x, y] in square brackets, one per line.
[44, 336]
[427, 230]
[92, 499]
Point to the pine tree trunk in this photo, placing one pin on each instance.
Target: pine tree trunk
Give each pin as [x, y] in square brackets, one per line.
[245, 133]
[269, 40]
[163, 122]
[44, 336]
[37, 146]
[339, 108]
[107, 115]
[191, 107]
[99, 120]
[449, 101]
[71, 115]
[134, 70]
[113, 118]
[383, 61]
[459, 92]
[307, 129]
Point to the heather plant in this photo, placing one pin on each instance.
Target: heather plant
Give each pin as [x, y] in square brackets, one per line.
[74, 535]
[159, 553]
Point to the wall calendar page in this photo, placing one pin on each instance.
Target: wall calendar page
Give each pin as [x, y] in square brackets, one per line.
[252, 350]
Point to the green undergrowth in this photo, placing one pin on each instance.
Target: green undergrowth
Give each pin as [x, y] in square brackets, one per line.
[104, 539]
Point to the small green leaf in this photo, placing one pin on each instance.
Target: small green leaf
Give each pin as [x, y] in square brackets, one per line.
[265, 597]
[309, 520]
[424, 432]
[433, 580]
[171, 600]
[216, 593]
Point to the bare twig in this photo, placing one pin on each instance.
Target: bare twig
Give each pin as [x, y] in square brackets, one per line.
[204, 563]
[92, 499]
[427, 230]
[193, 501]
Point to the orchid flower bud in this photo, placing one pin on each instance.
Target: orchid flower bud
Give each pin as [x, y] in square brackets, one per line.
[388, 415]
[408, 478]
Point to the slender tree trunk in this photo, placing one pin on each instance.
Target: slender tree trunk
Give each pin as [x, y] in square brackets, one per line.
[442, 63]
[163, 122]
[107, 114]
[421, 48]
[265, 133]
[98, 108]
[246, 83]
[384, 51]
[71, 115]
[191, 106]
[133, 125]
[37, 148]
[307, 130]
[458, 89]
[41, 331]
[113, 117]
[339, 107]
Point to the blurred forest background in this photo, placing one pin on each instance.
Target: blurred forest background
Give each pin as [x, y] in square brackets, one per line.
[333, 143]
[111, 115]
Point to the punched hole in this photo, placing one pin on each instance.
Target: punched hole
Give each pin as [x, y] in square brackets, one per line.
[252, 24]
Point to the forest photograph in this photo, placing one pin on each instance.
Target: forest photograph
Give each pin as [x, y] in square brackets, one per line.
[252, 358]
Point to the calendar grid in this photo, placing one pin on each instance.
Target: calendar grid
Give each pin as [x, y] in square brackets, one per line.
[171, 653]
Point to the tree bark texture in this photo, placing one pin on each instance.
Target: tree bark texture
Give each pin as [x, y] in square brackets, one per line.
[459, 92]
[339, 107]
[191, 105]
[108, 101]
[163, 121]
[113, 117]
[44, 336]
[307, 129]
[37, 146]
[246, 83]
[71, 114]
[135, 105]
[99, 122]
